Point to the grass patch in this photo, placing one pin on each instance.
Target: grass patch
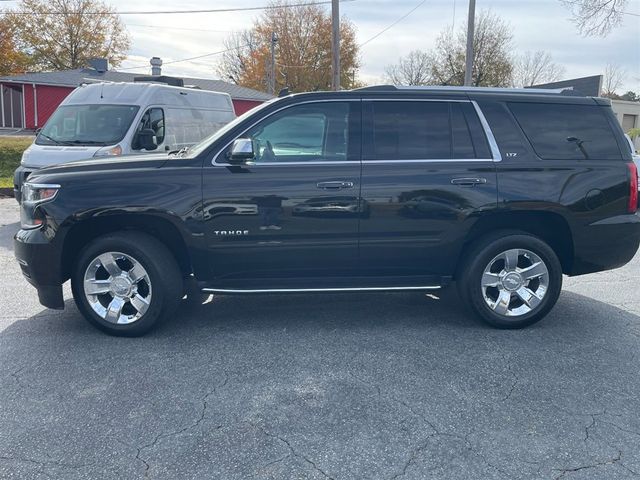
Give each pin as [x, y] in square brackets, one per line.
[11, 149]
[6, 182]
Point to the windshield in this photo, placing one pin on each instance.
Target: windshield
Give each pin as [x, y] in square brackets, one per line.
[87, 125]
[199, 147]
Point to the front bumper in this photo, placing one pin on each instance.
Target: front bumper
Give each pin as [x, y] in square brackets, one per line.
[39, 261]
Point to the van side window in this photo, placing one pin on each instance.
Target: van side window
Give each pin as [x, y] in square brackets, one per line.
[303, 133]
[188, 126]
[410, 131]
[152, 119]
[567, 132]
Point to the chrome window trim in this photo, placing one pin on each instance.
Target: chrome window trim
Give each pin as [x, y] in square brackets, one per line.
[214, 163]
[337, 289]
[493, 145]
[429, 160]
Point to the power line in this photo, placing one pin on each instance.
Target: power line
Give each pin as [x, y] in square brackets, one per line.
[162, 12]
[394, 23]
[165, 27]
[188, 59]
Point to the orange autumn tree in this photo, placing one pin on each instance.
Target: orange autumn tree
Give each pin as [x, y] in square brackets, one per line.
[303, 50]
[12, 60]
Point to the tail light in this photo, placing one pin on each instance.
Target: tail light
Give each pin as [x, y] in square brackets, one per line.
[633, 188]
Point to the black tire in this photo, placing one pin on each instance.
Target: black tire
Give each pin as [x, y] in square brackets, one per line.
[482, 253]
[161, 267]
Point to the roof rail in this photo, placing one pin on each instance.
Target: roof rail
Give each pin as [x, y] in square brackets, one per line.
[446, 88]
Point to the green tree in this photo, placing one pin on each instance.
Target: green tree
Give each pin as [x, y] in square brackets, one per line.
[65, 34]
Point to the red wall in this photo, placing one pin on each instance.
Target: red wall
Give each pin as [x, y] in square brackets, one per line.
[241, 106]
[48, 100]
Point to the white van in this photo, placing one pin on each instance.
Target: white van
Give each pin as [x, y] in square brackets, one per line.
[103, 119]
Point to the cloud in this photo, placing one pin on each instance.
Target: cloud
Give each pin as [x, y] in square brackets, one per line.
[537, 25]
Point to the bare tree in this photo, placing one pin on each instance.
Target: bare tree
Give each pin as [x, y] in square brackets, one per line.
[414, 69]
[596, 17]
[614, 76]
[492, 62]
[241, 48]
[532, 68]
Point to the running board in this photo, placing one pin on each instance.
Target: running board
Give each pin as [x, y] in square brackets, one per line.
[339, 289]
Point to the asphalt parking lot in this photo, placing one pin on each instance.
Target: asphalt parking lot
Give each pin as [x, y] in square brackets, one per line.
[376, 386]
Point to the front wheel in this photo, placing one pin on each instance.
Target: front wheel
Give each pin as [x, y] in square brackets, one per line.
[125, 282]
[510, 279]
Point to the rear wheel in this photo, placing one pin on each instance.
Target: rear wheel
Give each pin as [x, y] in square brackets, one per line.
[125, 282]
[510, 279]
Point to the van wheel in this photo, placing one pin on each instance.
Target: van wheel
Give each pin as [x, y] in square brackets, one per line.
[510, 279]
[125, 282]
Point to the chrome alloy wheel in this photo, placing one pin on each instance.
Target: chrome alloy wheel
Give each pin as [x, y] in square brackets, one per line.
[515, 282]
[117, 287]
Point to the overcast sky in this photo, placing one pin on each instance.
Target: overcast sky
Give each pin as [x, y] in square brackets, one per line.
[537, 25]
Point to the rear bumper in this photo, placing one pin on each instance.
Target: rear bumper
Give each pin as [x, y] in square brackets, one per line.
[606, 244]
[39, 261]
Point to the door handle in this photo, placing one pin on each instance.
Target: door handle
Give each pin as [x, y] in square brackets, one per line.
[468, 182]
[334, 185]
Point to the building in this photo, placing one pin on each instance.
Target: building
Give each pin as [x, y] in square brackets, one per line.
[627, 113]
[28, 100]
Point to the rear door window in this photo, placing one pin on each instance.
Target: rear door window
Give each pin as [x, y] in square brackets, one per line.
[567, 132]
[424, 130]
[411, 131]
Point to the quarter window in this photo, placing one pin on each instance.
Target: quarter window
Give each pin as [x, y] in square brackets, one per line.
[567, 132]
[309, 132]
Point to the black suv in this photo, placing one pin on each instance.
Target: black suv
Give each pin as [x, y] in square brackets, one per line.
[381, 188]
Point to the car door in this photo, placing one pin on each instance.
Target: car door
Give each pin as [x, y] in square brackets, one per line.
[427, 175]
[291, 211]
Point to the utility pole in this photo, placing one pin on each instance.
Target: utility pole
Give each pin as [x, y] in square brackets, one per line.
[272, 65]
[470, 32]
[335, 44]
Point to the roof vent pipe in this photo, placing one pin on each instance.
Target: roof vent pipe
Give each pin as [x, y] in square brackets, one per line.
[156, 66]
[100, 65]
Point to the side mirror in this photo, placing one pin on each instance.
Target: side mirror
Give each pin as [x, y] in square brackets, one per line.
[147, 139]
[241, 151]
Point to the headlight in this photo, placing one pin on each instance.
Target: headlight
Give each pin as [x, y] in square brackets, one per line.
[109, 151]
[33, 195]
[39, 192]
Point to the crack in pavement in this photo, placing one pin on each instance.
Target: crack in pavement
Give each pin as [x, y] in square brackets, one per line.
[516, 379]
[425, 442]
[147, 465]
[611, 461]
[16, 374]
[43, 464]
[291, 450]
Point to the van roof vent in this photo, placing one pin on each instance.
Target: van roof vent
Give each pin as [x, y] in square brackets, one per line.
[173, 81]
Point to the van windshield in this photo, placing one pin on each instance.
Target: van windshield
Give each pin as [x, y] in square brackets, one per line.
[87, 125]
